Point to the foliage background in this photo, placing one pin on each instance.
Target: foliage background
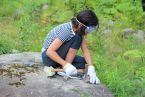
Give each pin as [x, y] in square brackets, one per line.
[120, 62]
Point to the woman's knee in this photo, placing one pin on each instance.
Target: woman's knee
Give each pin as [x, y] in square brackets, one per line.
[79, 59]
[79, 65]
[47, 61]
[79, 62]
[83, 60]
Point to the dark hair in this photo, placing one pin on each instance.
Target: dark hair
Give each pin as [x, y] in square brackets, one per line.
[87, 17]
[74, 22]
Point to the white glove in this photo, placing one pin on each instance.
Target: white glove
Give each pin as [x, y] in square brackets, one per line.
[70, 69]
[92, 74]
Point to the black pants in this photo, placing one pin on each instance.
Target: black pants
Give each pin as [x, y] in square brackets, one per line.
[75, 43]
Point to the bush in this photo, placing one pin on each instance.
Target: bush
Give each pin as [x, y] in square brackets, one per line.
[5, 45]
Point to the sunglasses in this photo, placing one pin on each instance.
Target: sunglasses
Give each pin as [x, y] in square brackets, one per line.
[89, 29]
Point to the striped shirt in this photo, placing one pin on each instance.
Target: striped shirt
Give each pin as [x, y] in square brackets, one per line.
[63, 31]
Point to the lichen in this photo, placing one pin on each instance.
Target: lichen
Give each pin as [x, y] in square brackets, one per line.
[17, 71]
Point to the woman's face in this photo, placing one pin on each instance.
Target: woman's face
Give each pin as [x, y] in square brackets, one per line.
[90, 29]
[87, 29]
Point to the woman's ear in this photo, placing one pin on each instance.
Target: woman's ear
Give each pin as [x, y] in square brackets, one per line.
[79, 26]
[81, 30]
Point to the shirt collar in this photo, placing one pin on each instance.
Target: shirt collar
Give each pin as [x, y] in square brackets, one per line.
[72, 28]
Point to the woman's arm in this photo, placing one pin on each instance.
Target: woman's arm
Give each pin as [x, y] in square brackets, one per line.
[86, 52]
[51, 52]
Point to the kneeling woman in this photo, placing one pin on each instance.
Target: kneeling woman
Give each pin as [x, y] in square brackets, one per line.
[63, 41]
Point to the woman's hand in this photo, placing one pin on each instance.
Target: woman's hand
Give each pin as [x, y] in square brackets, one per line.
[92, 74]
[70, 69]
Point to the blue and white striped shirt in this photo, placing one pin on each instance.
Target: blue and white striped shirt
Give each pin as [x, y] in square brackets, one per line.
[63, 31]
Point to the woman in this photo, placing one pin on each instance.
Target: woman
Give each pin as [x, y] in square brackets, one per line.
[62, 43]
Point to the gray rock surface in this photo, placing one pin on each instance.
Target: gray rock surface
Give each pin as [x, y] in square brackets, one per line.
[127, 32]
[21, 75]
[140, 36]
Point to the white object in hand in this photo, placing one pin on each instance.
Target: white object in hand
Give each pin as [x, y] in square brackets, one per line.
[70, 69]
[48, 71]
[92, 74]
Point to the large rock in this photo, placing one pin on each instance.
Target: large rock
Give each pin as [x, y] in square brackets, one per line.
[21, 75]
[127, 32]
